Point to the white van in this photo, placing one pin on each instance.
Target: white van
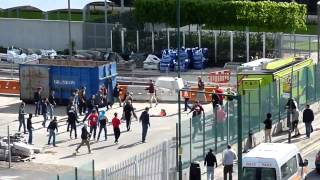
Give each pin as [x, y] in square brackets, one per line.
[274, 161]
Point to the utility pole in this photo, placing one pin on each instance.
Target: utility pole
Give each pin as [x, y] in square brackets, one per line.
[318, 33]
[69, 29]
[290, 107]
[106, 21]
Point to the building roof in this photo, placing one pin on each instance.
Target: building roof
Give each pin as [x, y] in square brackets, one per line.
[47, 5]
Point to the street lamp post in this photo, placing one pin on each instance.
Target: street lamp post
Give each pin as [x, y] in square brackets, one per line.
[69, 29]
[179, 97]
[318, 33]
[106, 21]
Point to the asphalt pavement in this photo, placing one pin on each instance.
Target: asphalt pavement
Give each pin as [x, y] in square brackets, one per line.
[310, 155]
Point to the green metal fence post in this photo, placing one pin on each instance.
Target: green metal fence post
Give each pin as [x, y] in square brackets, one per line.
[203, 135]
[215, 130]
[190, 121]
[58, 177]
[228, 123]
[76, 173]
[239, 138]
[93, 169]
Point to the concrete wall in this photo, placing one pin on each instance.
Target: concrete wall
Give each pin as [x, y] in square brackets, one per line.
[25, 33]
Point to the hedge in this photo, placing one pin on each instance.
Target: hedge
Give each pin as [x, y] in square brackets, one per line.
[274, 16]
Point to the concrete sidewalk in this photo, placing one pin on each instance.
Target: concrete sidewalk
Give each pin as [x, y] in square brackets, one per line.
[301, 142]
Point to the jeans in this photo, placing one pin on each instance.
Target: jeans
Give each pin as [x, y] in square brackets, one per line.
[267, 135]
[38, 108]
[84, 141]
[186, 104]
[227, 169]
[128, 122]
[22, 122]
[94, 129]
[73, 127]
[308, 128]
[153, 98]
[53, 135]
[51, 111]
[82, 108]
[105, 131]
[116, 134]
[45, 118]
[30, 136]
[210, 172]
[144, 131]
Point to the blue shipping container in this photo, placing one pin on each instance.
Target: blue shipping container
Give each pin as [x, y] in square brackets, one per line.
[64, 76]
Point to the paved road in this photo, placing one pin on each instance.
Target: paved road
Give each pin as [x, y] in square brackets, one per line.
[310, 154]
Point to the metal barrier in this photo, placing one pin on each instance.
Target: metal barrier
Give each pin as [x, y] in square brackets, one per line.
[158, 163]
[9, 87]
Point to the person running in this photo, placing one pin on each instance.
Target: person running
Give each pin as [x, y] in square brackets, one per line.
[29, 128]
[102, 124]
[37, 101]
[267, 128]
[128, 111]
[152, 93]
[53, 126]
[85, 138]
[210, 161]
[116, 94]
[52, 103]
[197, 111]
[116, 127]
[72, 120]
[21, 117]
[145, 121]
[44, 107]
[308, 117]
[93, 123]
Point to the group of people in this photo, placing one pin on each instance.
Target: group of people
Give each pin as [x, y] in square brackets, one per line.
[94, 119]
[293, 118]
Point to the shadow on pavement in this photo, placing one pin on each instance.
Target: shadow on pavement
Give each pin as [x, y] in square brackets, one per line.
[103, 147]
[130, 145]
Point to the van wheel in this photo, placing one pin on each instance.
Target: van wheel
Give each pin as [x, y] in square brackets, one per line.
[318, 170]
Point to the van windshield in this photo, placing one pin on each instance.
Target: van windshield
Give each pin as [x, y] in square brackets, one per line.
[257, 173]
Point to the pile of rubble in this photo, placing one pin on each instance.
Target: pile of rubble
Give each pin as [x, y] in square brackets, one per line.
[20, 150]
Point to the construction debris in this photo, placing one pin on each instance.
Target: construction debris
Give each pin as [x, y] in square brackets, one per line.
[20, 150]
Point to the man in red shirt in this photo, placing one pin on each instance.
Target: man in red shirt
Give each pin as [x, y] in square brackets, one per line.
[116, 129]
[219, 93]
[93, 121]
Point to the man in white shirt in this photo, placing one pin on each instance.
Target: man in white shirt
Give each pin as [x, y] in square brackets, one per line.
[229, 156]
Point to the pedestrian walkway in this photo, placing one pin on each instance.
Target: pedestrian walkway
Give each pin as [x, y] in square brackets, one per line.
[301, 142]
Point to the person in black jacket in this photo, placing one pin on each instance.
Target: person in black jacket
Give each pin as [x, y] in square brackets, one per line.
[44, 106]
[210, 161]
[90, 106]
[21, 118]
[85, 137]
[128, 110]
[37, 101]
[30, 128]
[308, 117]
[51, 128]
[145, 120]
[103, 124]
[267, 128]
[116, 94]
[52, 103]
[72, 120]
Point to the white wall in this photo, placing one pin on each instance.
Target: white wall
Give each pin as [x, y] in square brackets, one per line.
[47, 34]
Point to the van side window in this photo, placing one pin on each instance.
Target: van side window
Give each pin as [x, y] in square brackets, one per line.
[289, 168]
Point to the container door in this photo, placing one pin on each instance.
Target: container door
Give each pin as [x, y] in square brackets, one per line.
[32, 77]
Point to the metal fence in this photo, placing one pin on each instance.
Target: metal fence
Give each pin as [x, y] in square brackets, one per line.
[157, 163]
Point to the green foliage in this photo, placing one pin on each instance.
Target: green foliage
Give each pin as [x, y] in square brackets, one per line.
[269, 15]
